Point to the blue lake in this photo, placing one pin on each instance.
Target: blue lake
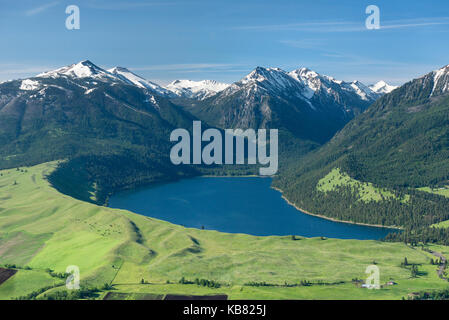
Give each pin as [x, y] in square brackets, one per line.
[235, 205]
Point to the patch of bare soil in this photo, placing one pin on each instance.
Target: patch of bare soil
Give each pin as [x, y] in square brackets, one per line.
[5, 274]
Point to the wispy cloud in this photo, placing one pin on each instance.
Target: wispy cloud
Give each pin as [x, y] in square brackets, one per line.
[346, 26]
[304, 43]
[125, 5]
[187, 67]
[413, 23]
[16, 71]
[12, 69]
[41, 8]
[311, 25]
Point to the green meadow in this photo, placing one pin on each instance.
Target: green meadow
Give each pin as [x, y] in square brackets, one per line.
[444, 191]
[444, 224]
[366, 191]
[138, 256]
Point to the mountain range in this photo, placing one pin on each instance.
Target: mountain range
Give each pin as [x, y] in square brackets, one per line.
[398, 145]
[302, 102]
[114, 119]
[308, 105]
[310, 80]
[113, 132]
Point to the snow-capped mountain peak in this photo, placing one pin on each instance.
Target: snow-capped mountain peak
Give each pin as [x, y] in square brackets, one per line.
[83, 69]
[270, 80]
[196, 89]
[442, 71]
[305, 73]
[302, 82]
[271, 97]
[382, 87]
[314, 82]
[260, 74]
[87, 69]
[179, 88]
[364, 91]
[309, 78]
[440, 80]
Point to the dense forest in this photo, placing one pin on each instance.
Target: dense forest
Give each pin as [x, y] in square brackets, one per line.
[421, 235]
[399, 143]
[422, 209]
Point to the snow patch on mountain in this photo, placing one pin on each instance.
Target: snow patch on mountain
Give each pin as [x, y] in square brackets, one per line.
[196, 89]
[271, 81]
[309, 78]
[315, 82]
[441, 79]
[29, 84]
[152, 100]
[275, 76]
[132, 78]
[382, 87]
[363, 91]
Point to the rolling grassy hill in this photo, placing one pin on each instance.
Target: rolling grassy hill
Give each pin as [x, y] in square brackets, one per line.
[42, 229]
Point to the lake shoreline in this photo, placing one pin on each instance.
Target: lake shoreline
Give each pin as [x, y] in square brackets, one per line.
[270, 186]
[329, 218]
[243, 176]
[301, 209]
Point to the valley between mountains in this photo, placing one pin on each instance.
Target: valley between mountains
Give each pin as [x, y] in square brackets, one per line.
[369, 154]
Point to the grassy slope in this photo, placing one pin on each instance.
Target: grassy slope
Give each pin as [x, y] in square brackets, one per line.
[42, 228]
[444, 224]
[367, 192]
[441, 191]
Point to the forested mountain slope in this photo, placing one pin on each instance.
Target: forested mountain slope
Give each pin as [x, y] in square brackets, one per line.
[116, 132]
[401, 142]
[309, 106]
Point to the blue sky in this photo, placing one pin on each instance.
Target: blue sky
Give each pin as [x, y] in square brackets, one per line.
[224, 40]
